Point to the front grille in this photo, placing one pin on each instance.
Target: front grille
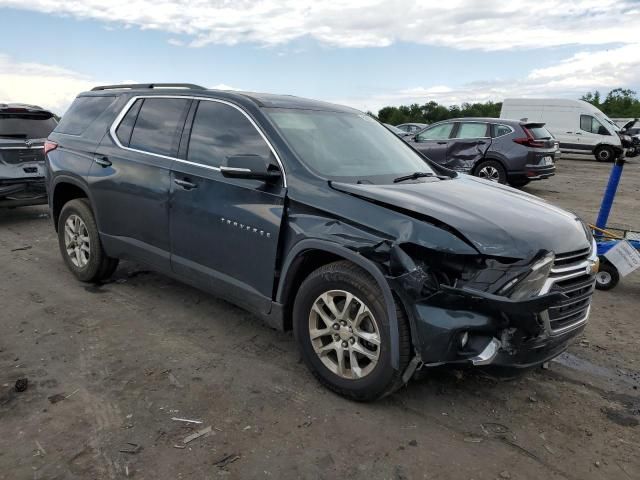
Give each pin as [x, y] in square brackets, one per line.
[577, 256]
[571, 277]
[574, 309]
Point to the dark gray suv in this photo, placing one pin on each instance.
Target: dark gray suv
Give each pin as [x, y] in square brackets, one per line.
[504, 151]
[319, 219]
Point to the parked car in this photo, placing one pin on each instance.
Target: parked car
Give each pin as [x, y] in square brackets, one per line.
[411, 127]
[23, 130]
[503, 151]
[318, 219]
[396, 130]
[579, 126]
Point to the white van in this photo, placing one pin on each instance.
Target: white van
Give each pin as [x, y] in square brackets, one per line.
[578, 126]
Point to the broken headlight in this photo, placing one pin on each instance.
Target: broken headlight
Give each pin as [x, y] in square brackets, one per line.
[531, 284]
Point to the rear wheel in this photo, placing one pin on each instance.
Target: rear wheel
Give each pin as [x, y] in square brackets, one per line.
[491, 170]
[342, 329]
[604, 154]
[607, 276]
[80, 244]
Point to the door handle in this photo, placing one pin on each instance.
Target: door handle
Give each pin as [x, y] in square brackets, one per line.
[442, 143]
[568, 132]
[104, 162]
[186, 184]
[578, 133]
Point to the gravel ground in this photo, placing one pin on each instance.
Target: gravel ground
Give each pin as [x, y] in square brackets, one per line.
[108, 368]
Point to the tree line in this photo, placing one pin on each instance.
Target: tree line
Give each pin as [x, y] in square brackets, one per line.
[617, 103]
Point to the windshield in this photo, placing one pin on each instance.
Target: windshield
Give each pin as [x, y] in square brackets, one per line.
[23, 126]
[346, 146]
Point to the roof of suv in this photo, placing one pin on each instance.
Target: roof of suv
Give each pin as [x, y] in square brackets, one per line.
[260, 99]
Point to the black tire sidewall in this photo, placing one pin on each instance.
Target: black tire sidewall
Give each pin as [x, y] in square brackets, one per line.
[375, 383]
[607, 149]
[90, 272]
[613, 272]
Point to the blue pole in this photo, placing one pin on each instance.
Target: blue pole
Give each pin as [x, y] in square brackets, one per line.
[610, 193]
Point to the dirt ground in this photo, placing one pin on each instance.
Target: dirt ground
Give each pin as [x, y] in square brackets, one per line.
[110, 366]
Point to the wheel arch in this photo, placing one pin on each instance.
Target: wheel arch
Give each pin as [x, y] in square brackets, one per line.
[64, 189]
[490, 156]
[308, 255]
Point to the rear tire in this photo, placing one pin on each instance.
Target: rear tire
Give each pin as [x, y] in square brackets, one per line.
[80, 244]
[336, 307]
[491, 170]
[605, 154]
[608, 276]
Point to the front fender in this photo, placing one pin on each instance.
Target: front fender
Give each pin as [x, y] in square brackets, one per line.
[366, 264]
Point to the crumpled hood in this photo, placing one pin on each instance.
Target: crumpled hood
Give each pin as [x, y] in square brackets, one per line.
[496, 220]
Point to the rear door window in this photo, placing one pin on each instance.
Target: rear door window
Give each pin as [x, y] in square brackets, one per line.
[437, 132]
[159, 125]
[472, 130]
[24, 126]
[82, 112]
[220, 131]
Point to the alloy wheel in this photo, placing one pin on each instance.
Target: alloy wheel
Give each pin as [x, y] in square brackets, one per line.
[489, 173]
[344, 334]
[76, 241]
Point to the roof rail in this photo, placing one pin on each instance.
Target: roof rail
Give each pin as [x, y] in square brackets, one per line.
[189, 86]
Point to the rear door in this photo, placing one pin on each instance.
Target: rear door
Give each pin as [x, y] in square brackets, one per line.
[433, 141]
[469, 144]
[224, 231]
[130, 179]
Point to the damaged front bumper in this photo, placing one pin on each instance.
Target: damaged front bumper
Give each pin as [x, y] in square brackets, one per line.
[469, 326]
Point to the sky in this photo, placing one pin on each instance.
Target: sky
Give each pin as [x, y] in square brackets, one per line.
[364, 53]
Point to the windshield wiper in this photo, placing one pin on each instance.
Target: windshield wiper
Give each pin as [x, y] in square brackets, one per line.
[413, 176]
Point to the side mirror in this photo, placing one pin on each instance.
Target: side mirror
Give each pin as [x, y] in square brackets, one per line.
[252, 167]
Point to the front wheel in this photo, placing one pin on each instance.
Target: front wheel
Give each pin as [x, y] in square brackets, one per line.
[605, 154]
[80, 244]
[341, 326]
[491, 170]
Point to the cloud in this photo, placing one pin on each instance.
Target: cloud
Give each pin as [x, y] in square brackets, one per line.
[572, 77]
[49, 86]
[460, 24]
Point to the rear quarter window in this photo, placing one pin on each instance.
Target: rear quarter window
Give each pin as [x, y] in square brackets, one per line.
[82, 112]
[159, 125]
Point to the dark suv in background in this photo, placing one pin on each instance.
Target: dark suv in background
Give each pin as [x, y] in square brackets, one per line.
[23, 130]
[503, 151]
[319, 219]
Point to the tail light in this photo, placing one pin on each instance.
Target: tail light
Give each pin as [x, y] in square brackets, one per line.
[49, 146]
[529, 140]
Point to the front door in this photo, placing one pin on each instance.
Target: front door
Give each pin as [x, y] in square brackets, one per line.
[433, 141]
[469, 144]
[224, 231]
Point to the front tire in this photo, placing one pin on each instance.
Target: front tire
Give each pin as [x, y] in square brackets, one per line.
[80, 244]
[344, 336]
[605, 154]
[491, 170]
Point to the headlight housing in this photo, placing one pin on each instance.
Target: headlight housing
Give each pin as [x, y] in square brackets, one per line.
[531, 284]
